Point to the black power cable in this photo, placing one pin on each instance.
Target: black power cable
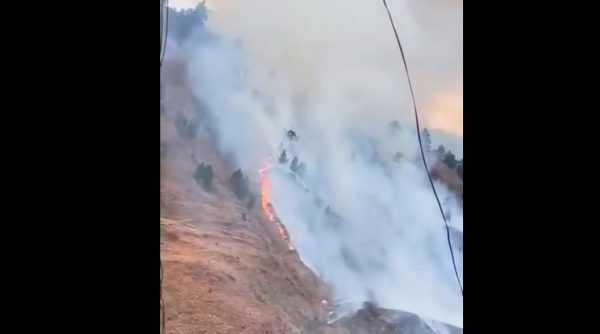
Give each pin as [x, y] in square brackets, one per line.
[412, 94]
[162, 3]
[163, 7]
[164, 39]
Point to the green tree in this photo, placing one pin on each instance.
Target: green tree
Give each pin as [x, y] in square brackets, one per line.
[292, 135]
[239, 184]
[283, 158]
[426, 138]
[298, 167]
[294, 165]
[204, 176]
[450, 160]
[441, 152]
[185, 128]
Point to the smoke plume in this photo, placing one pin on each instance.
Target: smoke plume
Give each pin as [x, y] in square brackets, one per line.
[362, 215]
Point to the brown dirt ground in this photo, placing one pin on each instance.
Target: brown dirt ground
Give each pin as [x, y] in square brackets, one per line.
[224, 273]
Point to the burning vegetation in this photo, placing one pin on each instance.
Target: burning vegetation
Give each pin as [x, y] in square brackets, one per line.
[267, 208]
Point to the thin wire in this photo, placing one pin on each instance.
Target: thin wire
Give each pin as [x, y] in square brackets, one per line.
[162, 2]
[164, 47]
[163, 40]
[412, 94]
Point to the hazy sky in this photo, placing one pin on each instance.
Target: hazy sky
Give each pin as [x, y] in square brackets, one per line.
[431, 32]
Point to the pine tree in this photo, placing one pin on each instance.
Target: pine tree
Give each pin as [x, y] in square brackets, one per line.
[426, 137]
[450, 160]
[283, 158]
[294, 165]
[204, 176]
[239, 184]
[441, 152]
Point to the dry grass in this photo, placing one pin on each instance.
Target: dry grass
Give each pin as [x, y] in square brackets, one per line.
[223, 273]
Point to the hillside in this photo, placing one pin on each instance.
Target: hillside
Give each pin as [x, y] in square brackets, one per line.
[226, 267]
[448, 176]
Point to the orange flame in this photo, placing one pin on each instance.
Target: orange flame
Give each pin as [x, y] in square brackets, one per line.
[264, 194]
[267, 208]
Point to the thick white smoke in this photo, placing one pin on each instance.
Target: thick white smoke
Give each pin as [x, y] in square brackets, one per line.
[362, 215]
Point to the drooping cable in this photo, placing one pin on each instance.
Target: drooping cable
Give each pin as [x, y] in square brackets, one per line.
[412, 94]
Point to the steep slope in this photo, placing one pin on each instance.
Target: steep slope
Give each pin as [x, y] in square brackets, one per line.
[226, 268]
